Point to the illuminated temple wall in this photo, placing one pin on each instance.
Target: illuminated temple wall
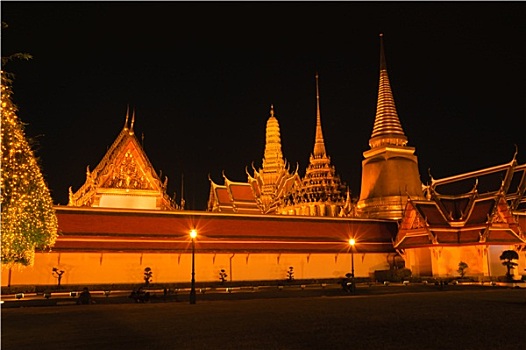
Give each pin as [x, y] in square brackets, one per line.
[114, 268]
[482, 261]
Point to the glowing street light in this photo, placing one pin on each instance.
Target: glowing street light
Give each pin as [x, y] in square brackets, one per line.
[193, 235]
[352, 242]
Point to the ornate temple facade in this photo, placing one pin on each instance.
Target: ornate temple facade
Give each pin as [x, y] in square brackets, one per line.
[273, 189]
[122, 221]
[265, 189]
[124, 178]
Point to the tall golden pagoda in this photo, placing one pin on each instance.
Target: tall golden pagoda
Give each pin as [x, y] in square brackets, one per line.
[264, 192]
[390, 169]
[273, 181]
[321, 193]
[124, 178]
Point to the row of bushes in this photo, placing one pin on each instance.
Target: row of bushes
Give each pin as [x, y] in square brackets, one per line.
[379, 276]
[40, 289]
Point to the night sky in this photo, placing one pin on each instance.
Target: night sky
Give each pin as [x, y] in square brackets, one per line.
[201, 77]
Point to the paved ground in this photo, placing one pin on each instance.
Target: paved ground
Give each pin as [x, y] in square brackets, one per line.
[374, 318]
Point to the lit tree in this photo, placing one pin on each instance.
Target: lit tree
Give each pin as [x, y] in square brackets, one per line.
[28, 218]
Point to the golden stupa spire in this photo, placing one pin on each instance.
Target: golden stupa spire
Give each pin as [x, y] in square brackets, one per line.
[319, 144]
[390, 168]
[273, 157]
[272, 181]
[387, 129]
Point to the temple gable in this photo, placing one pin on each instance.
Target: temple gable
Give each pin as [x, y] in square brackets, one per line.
[124, 178]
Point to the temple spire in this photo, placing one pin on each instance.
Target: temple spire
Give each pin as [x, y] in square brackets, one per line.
[273, 157]
[387, 128]
[390, 168]
[272, 181]
[319, 144]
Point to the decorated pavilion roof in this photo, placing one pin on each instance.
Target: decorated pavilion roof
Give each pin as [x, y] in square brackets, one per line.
[490, 212]
[232, 197]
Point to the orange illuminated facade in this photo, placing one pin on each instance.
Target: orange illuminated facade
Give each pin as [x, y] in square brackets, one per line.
[121, 220]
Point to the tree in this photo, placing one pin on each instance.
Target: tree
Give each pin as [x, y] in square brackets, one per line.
[28, 218]
[58, 275]
[508, 256]
[290, 273]
[222, 276]
[148, 274]
[462, 266]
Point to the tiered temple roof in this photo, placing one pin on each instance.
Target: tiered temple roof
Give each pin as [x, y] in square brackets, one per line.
[124, 178]
[232, 197]
[273, 181]
[490, 212]
[275, 190]
[265, 190]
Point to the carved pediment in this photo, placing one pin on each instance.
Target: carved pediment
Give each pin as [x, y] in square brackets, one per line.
[129, 172]
[124, 171]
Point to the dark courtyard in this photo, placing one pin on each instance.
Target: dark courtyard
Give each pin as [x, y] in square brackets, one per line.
[459, 318]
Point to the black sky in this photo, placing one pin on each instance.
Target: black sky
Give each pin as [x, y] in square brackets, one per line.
[202, 76]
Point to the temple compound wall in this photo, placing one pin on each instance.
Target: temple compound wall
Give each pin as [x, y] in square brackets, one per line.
[112, 246]
[128, 268]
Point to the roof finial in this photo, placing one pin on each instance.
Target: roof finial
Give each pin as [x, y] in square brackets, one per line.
[383, 64]
[319, 144]
[133, 120]
[317, 98]
[271, 110]
[127, 113]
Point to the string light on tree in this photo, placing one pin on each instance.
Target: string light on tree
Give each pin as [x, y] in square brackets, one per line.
[28, 219]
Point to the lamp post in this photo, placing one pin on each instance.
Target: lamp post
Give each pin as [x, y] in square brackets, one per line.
[352, 242]
[193, 234]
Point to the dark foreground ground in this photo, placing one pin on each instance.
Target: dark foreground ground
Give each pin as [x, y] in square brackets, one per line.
[455, 318]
